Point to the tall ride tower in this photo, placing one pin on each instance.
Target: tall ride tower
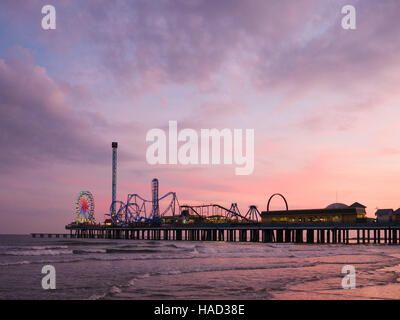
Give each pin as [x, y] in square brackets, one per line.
[114, 146]
[155, 201]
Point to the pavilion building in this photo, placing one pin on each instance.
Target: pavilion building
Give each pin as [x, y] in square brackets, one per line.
[334, 213]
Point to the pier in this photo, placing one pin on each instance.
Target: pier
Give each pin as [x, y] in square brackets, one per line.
[138, 218]
[324, 234]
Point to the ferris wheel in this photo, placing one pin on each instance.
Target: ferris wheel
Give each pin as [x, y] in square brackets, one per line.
[84, 207]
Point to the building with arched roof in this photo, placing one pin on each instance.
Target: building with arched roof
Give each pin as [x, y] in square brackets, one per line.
[333, 213]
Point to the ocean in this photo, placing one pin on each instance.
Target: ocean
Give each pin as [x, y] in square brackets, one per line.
[138, 269]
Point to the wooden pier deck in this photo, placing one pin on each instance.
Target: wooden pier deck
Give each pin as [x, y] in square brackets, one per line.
[311, 234]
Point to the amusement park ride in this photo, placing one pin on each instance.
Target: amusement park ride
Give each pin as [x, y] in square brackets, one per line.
[84, 207]
[137, 210]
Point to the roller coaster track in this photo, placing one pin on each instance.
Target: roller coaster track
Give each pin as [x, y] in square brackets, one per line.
[213, 210]
[134, 210]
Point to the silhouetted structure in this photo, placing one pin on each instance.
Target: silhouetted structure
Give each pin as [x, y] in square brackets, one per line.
[114, 146]
[334, 213]
[384, 215]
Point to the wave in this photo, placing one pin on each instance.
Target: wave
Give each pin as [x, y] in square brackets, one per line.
[97, 296]
[87, 251]
[86, 243]
[46, 252]
[14, 263]
[47, 247]
[115, 290]
[115, 258]
[114, 250]
[25, 248]
[133, 251]
[221, 269]
[161, 245]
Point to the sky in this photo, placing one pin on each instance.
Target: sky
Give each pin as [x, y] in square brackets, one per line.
[323, 102]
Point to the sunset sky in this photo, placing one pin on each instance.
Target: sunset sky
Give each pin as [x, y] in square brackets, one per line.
[324, 102]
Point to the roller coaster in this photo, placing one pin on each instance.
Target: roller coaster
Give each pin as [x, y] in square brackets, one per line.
[136, 209]
[139, 210]
[215, 210]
